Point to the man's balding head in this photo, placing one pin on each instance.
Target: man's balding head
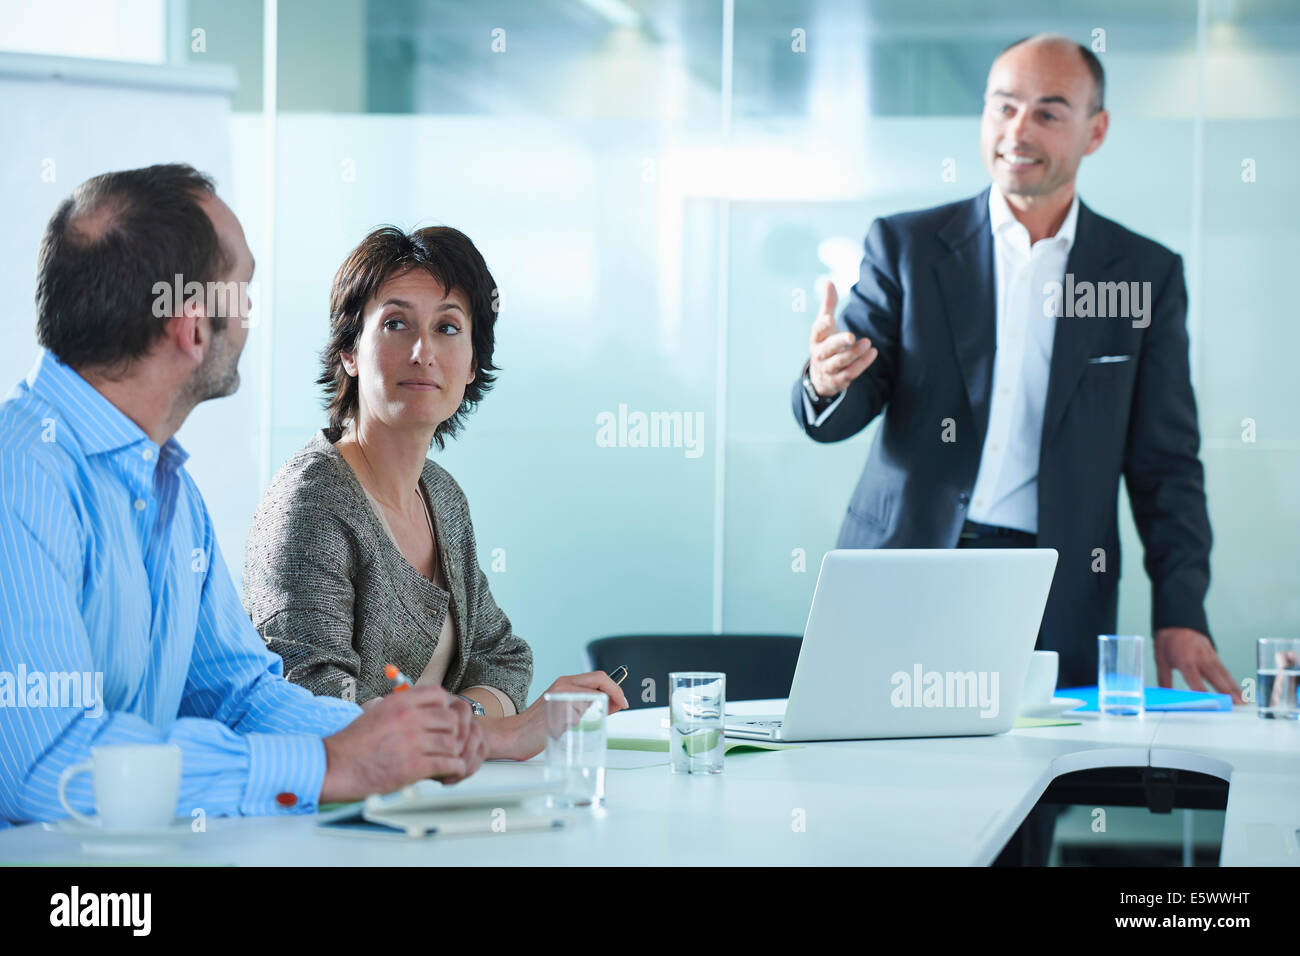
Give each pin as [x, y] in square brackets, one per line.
[1043, 112]
[104, 250]
[92, 217]
[1058, 45]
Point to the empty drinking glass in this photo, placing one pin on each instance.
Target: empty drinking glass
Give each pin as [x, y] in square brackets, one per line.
[575, 748]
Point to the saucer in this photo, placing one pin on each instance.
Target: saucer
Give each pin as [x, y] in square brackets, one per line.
[1056, 707]
[95, 839]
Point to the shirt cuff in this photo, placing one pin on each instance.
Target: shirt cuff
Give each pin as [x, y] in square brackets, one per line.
[285, 774]
[810, 415]
[507, 705]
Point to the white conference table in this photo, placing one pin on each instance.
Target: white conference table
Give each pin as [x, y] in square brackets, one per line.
[933, 801]
[1260, 759]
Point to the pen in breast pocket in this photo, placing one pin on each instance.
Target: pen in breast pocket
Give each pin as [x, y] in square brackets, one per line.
[400, 680]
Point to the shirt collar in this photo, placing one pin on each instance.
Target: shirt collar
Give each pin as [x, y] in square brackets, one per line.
[100, 425]
[1002, 218]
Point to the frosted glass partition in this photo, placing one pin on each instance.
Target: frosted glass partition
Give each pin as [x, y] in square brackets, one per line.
[1248, 388]
[608, 302]
[624, 219]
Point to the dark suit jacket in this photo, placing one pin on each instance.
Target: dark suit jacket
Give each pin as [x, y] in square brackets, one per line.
[925, 298]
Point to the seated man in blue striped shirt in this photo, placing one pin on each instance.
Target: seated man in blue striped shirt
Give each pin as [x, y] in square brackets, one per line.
[109, 565]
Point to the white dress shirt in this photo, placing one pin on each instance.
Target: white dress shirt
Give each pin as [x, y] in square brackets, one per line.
[1006, 485]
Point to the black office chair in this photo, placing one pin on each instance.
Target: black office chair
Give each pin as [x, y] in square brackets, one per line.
[758, 666]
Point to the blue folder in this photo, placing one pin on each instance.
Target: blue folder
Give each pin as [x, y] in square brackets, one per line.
[1156, 698]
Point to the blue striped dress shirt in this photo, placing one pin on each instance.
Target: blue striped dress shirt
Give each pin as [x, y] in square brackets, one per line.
[110, 572]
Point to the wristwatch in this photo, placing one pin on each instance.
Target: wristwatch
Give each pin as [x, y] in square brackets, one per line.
[474, 705]
[812, 392]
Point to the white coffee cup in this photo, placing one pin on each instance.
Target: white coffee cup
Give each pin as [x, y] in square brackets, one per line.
[136, 786]
[1040, 680]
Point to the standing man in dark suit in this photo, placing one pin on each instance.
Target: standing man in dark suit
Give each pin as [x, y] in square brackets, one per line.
[1027, 353]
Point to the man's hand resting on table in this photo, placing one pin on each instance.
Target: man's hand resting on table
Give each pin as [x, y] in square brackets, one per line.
[408, 736]
[1191, 653]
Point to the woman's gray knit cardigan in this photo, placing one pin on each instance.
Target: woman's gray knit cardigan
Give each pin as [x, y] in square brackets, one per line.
[331, 594]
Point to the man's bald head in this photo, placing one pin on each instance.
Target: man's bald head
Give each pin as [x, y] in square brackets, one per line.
[1042, 114]
[1057, 45]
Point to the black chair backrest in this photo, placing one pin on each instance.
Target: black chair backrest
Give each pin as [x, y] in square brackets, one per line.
[758, 666]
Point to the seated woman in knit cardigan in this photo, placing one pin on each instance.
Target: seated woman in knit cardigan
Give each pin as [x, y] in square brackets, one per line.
[361, 553]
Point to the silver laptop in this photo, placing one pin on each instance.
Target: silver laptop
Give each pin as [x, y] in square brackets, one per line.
[913, 643]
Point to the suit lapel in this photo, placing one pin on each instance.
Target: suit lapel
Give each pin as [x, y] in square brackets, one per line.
[1089, 257]
[965, 282]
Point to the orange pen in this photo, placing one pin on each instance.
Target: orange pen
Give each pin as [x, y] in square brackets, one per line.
[400, 680]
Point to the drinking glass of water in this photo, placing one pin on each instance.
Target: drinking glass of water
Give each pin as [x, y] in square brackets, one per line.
[695, 738]
[1278, 678]
[1119, 674]
[575, 749]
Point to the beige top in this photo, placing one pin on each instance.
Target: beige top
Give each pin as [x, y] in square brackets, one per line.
[440, 661]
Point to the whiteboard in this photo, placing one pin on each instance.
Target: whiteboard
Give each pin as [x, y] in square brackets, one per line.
[69, 119]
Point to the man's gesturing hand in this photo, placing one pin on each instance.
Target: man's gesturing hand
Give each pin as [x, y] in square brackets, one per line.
[405, 737]
[835, 358]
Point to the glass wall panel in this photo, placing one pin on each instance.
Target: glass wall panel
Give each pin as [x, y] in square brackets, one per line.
[552, 135]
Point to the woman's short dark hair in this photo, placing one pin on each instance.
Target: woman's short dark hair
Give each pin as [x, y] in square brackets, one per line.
[446, 254]
[105, 249]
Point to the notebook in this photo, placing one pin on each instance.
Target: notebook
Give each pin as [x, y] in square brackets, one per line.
[429, 808]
